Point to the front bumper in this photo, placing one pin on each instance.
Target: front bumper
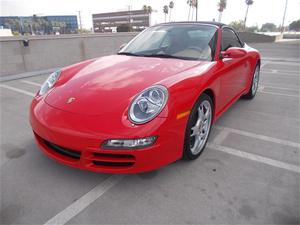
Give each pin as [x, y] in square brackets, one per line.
[75, 140]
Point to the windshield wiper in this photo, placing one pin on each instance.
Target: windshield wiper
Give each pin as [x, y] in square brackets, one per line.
[128, 53]
[157, 55]
[169, 56]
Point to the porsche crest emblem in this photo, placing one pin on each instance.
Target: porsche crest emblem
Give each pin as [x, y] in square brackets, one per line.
[70, 100]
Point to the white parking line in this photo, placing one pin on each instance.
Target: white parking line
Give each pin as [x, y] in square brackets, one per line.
[261, 137]
[75, 208]
[280, 88]
[31, 83]
[270, 73]
[221, 137]
[255, 157]
[294, 87]
[17, 90]
[280, 94]
[263, 65]
[296, 64]
[280, 71]
[260, 88]
[217, 145]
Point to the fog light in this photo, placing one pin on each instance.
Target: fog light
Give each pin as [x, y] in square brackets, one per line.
[129, 143]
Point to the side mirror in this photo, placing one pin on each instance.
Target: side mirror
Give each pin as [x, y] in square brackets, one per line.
[233, 53]
[122, 46]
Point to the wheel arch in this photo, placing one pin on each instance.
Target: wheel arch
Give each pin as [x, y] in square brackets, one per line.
[211, 94]
[259, 62]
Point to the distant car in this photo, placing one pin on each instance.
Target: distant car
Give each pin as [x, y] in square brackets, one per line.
[149, 105]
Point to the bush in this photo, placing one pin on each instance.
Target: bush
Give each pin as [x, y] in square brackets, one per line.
[295, 25]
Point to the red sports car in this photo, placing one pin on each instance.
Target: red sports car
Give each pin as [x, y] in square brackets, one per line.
[147, 106]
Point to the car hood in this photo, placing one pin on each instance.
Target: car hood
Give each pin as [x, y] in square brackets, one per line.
[108, 84]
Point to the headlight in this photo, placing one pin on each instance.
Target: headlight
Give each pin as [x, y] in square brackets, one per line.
[49, 83]
[148, 104]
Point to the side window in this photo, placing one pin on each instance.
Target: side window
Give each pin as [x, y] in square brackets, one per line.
[229, 39]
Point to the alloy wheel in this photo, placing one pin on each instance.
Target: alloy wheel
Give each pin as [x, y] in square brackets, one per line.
[200, 130]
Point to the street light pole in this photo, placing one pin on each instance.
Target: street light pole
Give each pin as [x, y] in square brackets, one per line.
[80, 24]
[196, 10]
[129, 17]
[245, 20]
[284, 14]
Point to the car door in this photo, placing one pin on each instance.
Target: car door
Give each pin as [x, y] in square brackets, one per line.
[233, 70]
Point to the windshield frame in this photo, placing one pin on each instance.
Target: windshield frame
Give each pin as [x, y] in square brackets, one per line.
[213, 47]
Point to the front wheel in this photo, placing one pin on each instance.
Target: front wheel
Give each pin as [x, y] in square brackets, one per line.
[254, 85]
[198, 128]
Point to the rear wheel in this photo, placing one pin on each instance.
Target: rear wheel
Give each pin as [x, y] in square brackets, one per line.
[198, 128]
[254, 85]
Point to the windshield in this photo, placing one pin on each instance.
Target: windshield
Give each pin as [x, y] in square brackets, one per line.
[185, 41]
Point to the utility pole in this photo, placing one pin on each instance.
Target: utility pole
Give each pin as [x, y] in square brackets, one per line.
[283, 19]
[80, 24]
[129, 17]
[245, 20]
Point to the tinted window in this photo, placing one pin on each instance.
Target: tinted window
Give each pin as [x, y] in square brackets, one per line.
[229, 39]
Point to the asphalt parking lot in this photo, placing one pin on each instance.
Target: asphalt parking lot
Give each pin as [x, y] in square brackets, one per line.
[248, 174]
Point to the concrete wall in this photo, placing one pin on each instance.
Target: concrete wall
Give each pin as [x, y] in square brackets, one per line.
[249, 37]
[44, 52]
[291, 35]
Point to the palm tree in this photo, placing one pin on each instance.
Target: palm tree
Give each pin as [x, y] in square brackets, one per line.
[248, 2]
[192, 5]
[148, 10]
[27, 27]
[189, 2]
[145, 8]
[13, 24]
[171, 6]
[221, 6]
[166, 11]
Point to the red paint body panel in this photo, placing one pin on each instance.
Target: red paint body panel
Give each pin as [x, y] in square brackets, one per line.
[104, 89]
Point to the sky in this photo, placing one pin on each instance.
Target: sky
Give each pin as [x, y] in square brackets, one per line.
[262, 11]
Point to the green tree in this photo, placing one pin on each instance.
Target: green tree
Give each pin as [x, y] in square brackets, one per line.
[221, 6]
[192, 5]
[166, 11]
[13, 24]
[295, 25]
[248, 3]
[268, 27]
[171, 6]
[27, 27]
[237, 25]
[148, 10]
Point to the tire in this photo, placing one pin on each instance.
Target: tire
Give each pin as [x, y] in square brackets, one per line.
[254, 84]
[195, 137]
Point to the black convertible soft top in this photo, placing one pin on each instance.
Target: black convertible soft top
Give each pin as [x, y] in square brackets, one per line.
[197, 22]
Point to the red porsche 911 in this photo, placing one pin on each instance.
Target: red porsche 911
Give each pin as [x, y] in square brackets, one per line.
[152, 103]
